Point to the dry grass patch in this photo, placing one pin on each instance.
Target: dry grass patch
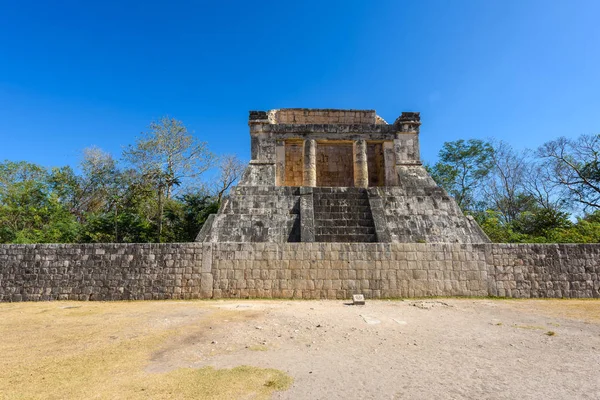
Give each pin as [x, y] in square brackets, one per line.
[529, 327]
[99, 351]
[587, 310]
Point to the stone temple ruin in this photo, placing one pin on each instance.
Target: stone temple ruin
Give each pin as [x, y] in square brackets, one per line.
[332, 204]
[322, 175]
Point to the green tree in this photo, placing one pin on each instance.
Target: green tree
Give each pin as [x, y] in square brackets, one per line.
[494, 227]
[168, 156]
[21, 171]
[574, 166]
[541, 222]
[504, 186]
[461, 169]
[29, 211]
[67, 187]
[187, 215]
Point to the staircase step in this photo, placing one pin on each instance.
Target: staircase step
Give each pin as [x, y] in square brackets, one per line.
[345, 238]
[339, 196]
[345, 230]
[342, 216]
[323, 189]
[343, 208]
[345, 205]
[343, 222]
[342, 196]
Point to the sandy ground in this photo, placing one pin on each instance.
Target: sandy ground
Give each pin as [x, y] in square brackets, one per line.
[421, 349]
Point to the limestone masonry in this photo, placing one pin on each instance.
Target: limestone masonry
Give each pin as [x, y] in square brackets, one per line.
[366, 218]
[295, 270]
[339, 176]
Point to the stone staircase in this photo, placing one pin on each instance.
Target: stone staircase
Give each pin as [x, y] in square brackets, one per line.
[342, 215]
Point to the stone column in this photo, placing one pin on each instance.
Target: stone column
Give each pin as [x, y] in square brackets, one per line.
[406, 143]
[361, 169]
[280, 163]
[310, 163]
[389, 164]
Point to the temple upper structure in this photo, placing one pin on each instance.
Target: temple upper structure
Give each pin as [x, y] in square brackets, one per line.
[323, 175]
[330, 148]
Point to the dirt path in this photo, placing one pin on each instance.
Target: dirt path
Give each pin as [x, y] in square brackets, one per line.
[424, 349]
[415, 349]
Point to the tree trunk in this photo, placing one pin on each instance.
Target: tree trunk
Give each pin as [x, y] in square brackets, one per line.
[116, 224]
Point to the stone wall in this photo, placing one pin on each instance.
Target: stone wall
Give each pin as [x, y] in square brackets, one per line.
[338, 270]
[334, 165]
[376, 164]
[296, 270]
[256, 214]
[542, 270]
[322, 116]
[420, 211]
[294, 164]
[104, 272]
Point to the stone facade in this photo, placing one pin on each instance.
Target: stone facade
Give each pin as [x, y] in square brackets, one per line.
[296, 270]
[369, 184]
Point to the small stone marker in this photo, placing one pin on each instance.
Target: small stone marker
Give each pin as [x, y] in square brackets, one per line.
[358, 299]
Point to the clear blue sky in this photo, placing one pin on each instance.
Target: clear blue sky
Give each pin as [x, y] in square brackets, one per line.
[78, 73]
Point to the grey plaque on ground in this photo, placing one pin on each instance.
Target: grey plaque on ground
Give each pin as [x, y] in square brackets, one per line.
[358, 299]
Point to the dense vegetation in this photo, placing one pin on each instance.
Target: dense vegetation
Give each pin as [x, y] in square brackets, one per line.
[154, 193]
[551, 195]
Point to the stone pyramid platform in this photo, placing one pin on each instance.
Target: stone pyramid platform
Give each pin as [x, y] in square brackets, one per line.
[337, 176]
